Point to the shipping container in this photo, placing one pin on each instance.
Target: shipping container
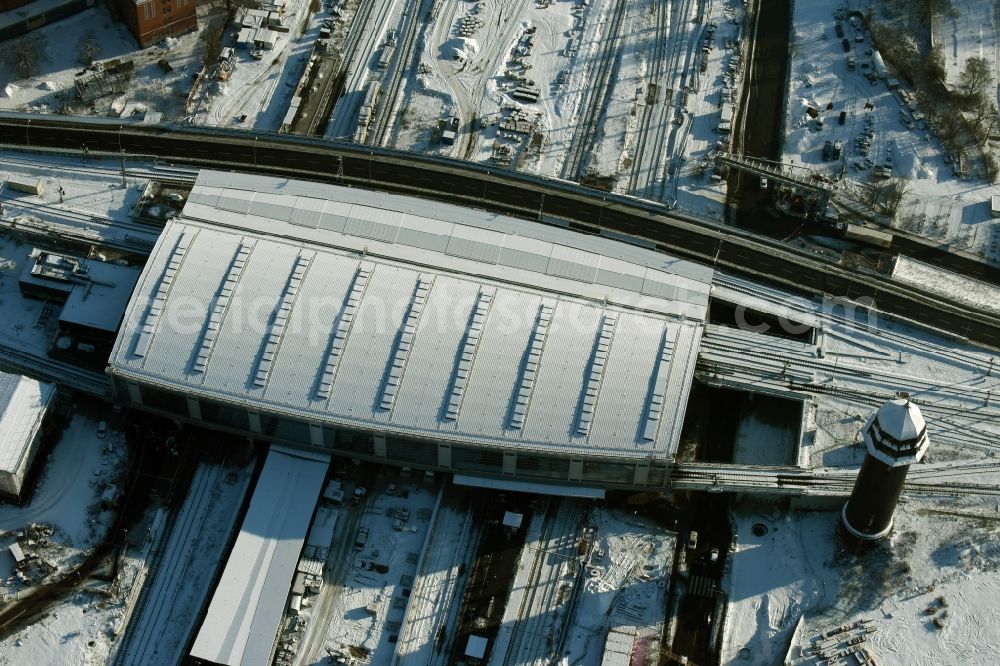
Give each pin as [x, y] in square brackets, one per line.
[26, 185]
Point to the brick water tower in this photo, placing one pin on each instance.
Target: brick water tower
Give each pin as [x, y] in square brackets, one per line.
[895, 438]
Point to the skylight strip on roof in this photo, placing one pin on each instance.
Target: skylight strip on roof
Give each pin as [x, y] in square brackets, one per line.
[598, 361]
[217, 312]
[654, 405]
[279, 320]
[404, 342]
[342, 329]
[473, 334]
[526, 382]
[155, 309]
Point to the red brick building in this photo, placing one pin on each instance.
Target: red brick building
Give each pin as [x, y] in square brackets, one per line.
[152, 20]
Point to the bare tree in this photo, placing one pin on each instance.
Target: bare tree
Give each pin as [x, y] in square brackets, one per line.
[933, 64]
[90, 48]
[975, 79]
[892, 194]
[25, 57]
[928, 9]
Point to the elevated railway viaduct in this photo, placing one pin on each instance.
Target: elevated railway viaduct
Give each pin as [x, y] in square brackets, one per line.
[553, 201]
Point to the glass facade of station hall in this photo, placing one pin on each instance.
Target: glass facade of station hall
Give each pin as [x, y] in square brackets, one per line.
[388, 448]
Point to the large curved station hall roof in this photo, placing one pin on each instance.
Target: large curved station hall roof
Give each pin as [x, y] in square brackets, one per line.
[416, 319]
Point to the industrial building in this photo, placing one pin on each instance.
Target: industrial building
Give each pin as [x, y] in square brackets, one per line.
[91, 297]
[24, 404]
[150, 21]
[397, 330]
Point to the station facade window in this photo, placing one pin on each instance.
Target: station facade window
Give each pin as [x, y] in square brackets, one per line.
[398, 450]
[464, 458]
[546, 467]
[227, 416]
[411, 450]
[165, 401]
[355, 441]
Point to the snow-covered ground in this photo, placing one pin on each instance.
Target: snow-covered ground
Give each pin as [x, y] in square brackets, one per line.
[260, 90]
[937, 203]
[92, 202]
[366, 604]
[73, 478]
[52, 88]
[558, 47]
[928, 594]
[970, 30]
[185, 562]
[67, 497]
[627, 576]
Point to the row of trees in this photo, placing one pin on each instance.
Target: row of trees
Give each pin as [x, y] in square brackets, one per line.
[25, 55]
[965, 115]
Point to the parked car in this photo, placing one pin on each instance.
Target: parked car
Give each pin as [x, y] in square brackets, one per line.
[360, 492]
[692, 540]
[102, 430]
[713, 555]
[361, 539]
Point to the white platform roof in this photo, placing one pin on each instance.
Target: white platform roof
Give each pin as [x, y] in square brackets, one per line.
[23, 402]
[423, 319]
[243, 616]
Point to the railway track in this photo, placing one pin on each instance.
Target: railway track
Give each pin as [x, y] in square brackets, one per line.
[141, 641]
[794, 481]
[344, 119]
[419, 627]
[670, 30]
[56, 372]
[641, 163]
[583, 210]
[596, 101]
[531, 635]
[81, 218]
[399, 71]
[825, 313]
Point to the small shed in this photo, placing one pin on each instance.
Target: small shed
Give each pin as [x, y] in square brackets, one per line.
[512, 520]
[17, 553]
[26, 185]
[264, 39]
[476, 647]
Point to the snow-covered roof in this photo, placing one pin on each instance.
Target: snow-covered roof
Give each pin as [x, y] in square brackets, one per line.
[901, 419]
[421, 319]
[897, 434]
[101, 302]
[248, 604]
[618, 646]
[476, 647]
[23, 402]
